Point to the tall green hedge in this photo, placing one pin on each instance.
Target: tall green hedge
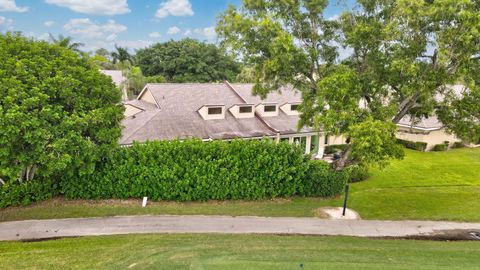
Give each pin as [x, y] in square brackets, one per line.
[195, 170]
[190, 171]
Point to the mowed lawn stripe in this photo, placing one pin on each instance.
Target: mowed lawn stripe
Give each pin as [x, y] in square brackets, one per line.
[203, 251]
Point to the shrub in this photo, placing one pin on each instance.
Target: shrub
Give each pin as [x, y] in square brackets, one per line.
[439, 147]
[194, 170]
[334, 148]
[419, 146]
[357, 173]
[323, 181]
[14, 194]
[458, 145]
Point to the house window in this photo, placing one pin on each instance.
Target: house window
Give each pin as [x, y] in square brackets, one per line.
[294, 107]
[270, 108]
[215, 110]
[246, 109]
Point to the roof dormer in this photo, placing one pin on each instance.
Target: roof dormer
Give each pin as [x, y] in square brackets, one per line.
[267, 109]
[290, 108]
[242, 111]
[212, 112]
[146, 95]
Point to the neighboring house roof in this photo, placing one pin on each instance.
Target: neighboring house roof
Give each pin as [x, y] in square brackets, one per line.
[432, 122]
[177, 117]
[424, 123]
[118, 79]
[116, 75]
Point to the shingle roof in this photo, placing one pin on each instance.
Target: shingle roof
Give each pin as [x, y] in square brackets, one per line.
[424, 123]
[177, 117]
[116, 75]
[285, 124]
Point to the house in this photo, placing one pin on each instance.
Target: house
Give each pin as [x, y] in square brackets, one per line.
[225, 111]
[220, 111]
[119, 80]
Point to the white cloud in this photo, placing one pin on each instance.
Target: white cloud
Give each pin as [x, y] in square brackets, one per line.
[85, 28]
[11, 6]
[49, 23]
[187, 32]
[174, 8]
[173, 30]
[333, 18]
[134, 44]
[98, 7]
[5, 24]
[208, 32]
[44, 36]
[155, 35]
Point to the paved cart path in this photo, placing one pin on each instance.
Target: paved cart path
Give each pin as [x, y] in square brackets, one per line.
[44, 229]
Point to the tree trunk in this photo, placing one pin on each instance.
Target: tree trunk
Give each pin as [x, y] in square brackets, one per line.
[342, 162]
[405, 108]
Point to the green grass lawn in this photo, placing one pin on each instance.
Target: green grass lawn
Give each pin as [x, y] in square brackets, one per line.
[423, 186]
[203, 251]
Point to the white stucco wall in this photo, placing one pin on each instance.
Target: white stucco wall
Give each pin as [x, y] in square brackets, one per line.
[430, 137]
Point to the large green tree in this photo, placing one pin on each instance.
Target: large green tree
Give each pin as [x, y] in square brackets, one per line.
[57, 112]
[405, 53]
[187, 60]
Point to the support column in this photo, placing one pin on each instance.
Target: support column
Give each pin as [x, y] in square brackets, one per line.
[321, 145]
[308, 144]
[290, 140]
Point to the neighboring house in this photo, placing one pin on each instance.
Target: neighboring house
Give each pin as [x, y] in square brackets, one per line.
[428, 130]
[119, 80]
[225, 111]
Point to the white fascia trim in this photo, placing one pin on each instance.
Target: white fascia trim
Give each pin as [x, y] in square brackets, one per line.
[419, 128]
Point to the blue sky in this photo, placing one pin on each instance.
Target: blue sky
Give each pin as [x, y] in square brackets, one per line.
[130, 23]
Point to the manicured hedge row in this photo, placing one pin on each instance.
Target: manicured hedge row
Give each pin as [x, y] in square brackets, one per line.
[195, 170]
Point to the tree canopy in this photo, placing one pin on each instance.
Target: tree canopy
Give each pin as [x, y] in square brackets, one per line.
[58, 113]
[405, 54]
[187, 60]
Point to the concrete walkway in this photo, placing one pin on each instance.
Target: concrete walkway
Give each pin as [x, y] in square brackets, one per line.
[44, 229]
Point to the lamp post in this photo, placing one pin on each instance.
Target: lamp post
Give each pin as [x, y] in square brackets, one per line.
[347, 188]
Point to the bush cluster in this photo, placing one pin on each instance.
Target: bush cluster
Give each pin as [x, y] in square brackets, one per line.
[419, 146]
[195, 170]
[458, 145]
[335, 148]
[439, 147]
[13, 194]
[357, 173]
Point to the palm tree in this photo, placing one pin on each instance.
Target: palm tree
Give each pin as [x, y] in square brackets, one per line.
[121, 55]
[66, 42]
